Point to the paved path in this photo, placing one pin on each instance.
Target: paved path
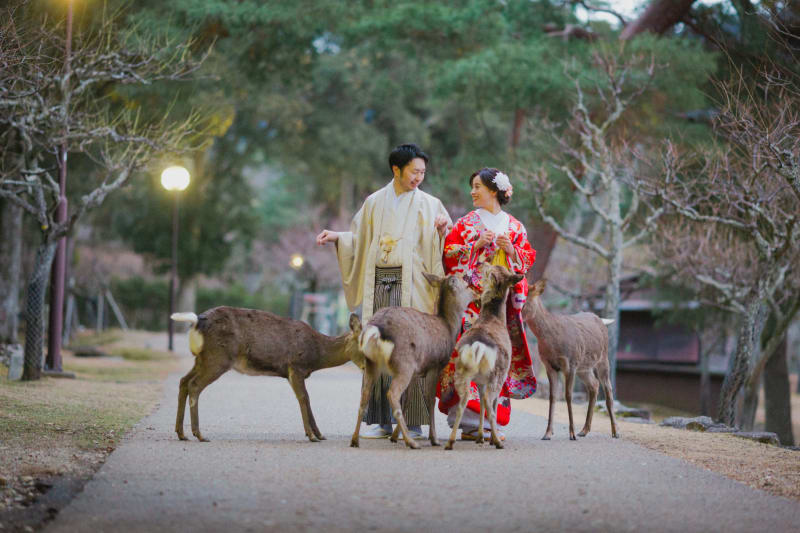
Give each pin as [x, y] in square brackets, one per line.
[259, 473]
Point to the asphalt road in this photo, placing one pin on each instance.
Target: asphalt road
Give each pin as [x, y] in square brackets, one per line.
[260, 473]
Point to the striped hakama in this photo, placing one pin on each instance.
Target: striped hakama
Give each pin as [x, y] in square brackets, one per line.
[387, 294]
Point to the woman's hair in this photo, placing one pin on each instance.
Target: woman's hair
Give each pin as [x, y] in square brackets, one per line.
[403, 154]
[487, 177]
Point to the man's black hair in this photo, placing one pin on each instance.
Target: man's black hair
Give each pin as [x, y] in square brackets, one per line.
[403, 154]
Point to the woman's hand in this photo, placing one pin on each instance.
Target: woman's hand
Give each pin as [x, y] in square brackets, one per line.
[327, 236]
[504, 242]
[485, 238]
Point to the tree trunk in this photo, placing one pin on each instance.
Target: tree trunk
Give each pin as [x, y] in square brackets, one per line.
[747, 419]
[777, 397]
[34, 310]
[10, 270]
[516, 128]
[739, 368]
[612, 298]
[659, 16]
[705, 378]
[543, 239]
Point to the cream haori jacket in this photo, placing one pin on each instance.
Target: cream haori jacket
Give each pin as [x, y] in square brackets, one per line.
[388, 235]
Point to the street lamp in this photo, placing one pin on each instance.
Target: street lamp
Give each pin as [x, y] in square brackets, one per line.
[174, 179]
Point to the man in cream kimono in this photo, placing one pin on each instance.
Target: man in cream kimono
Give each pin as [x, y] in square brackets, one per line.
[396, 235]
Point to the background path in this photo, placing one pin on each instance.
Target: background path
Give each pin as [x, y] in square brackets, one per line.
[259, 473]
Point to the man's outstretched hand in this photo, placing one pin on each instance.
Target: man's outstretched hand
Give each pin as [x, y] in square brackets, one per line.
[327, 236]
[442, 225]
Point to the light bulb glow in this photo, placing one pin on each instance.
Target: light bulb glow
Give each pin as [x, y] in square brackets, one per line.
[175, 178]
[296, 261]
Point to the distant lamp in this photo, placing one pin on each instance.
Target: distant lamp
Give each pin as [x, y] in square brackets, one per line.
[296, 261]
[175, 178]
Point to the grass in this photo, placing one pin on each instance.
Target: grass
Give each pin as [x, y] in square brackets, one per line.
[49, 424]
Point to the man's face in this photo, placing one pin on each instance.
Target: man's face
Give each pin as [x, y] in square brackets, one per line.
[411, 175]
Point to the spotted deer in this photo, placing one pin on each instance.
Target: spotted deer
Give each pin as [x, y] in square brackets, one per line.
[484, 351]
[258, 343]
[571, 344]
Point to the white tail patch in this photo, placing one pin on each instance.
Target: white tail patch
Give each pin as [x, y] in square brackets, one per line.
[478, 357]
[374, 348]
[195, 341]
[195, 337]
[607, 321]
[184, 317]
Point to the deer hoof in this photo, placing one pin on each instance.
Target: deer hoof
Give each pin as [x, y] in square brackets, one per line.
[573, 437]
[435, 443]
[546, 437]
[499, 445]
[582, 433]
[202, 438]
[354, 443]
[313, 439]
[615, 435]
[413, 445]
[449, 445]
[321, 437]
[181, 436]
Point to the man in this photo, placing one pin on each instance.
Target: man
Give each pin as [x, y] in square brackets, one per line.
[396, 235]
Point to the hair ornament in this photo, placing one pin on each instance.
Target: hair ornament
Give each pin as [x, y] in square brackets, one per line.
[502, 182]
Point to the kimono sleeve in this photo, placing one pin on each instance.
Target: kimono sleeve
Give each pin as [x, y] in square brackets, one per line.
[525, 254]
[456, 250]
[351, 249]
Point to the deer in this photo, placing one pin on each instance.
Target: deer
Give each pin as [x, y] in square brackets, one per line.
[571, 344]
[484, 351]
[258, 343]
[404, 342]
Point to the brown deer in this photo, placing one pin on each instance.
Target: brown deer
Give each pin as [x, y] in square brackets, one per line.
[484, 351]
[403, 342]
[571, 344]
[258, 343]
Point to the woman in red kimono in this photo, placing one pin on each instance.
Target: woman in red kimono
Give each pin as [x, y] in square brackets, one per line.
[490, 235]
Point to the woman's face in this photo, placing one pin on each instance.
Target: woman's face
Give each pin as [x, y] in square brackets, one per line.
[482, 196]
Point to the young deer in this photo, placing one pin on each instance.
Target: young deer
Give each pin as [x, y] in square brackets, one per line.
[484, 351]
[571, 344]
[258, 343]
[404, 342]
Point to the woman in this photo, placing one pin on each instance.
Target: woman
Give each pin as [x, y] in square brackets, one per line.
[490, 235]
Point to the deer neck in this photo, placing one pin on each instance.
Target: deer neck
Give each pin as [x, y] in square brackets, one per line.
[334, 351]
[450, 313]
[494, 305]
[539, 319]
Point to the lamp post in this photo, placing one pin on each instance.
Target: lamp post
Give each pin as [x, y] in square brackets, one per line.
[174, 179]
[58, 270]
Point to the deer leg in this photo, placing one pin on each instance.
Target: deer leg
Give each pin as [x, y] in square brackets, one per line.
[484, 408]
[299, 387]
[431, 380]
[495, 439]
[608, 391]
[462, 389]
[587, 376]
[552, 376]
[203, 378]
[183, 392]
[367, 380]
[569, 382]
[396, 389]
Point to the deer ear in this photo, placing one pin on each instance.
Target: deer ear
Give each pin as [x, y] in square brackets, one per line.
[433, 279]
[538, 287]
[516, 278]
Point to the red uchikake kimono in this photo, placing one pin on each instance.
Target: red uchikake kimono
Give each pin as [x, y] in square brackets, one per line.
[460, 257]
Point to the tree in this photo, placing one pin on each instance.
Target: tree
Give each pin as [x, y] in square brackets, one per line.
[736, 209]
[45, 106]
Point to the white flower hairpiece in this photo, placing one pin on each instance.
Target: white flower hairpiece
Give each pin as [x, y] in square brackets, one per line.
[502, 182]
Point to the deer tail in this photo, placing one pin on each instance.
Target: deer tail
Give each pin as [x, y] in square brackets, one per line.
[184, 317]
[478, 356]
[607, 321]
[195, 337]
[375, 348]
